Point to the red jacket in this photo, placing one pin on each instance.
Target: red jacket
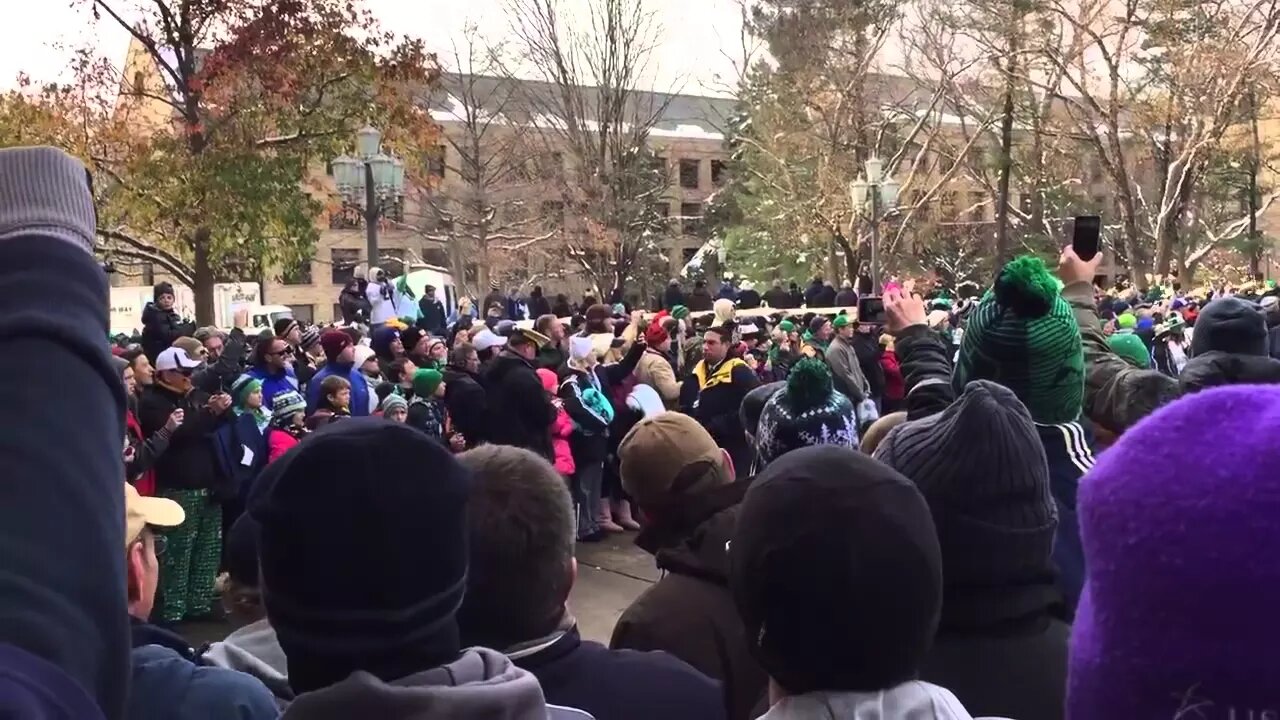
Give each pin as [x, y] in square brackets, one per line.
[278, 443]
[145, 483]
[561, 429]
[893, 385]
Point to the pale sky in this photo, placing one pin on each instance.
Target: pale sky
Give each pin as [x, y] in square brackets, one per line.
[697, 37]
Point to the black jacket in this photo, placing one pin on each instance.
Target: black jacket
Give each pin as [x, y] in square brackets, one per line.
[1273, 334]
[748, 300]
[433, 315]
[622, 684]
[354, 305]
[826, 297]
[159, 329]
[699, 300]
[797, 298]
[561, 308]
[518, 411]
[776, 297]
[689, 612]
[1218, 368]
[467, 403]
[869, 351]
[493, 298]
[190, 462]
[538, 305]
[813, 293]
[847, 298]
[672, 297]
[716, 406]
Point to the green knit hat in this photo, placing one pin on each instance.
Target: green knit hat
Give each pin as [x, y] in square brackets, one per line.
[1131, 348]
[425, 382]
[1126, 321]
[679, 312]
[787, 326]
[1023, 335]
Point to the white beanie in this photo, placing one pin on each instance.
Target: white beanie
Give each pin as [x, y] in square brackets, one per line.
[362, 354]
[580, 348]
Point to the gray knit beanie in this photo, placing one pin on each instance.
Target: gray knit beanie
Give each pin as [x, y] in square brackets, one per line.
[982, 468]
[45, 191]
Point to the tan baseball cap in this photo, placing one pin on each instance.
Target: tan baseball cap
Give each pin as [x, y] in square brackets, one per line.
[668, 455]
[139, 512]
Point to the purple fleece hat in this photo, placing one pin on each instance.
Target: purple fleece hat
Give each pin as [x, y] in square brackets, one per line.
[1181, 605]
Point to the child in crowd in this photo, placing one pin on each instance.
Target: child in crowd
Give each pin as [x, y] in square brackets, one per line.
[426, 410]
[335, 402]
[288, 413]
[394, 408]
[561, 429]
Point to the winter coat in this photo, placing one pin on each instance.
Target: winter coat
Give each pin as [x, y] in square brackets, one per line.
[168, 684]
[274, 383]
[672, 297]
[893, 388]
[654, 369]
[689, 612]
[1273, 334]
[466, 402]
[481, 684]
[431, 315]
[826, 298]
[190, 462]
[561, 309]
[776, 297]
[359, 388]
[699, 300]
[748, 300]
[621, 684]
[279, 442]
[254, 650]
[382, 302]
[846, 298]
[912, 700]
[1016, 668]
[868, 349]
[428, 415]
[592, 416]
[518, 410]
[1116, 394]
[1218, 368]
[140, 471]
[561, 431]
[846, 370]
[159, 329]
[494, 298]
[354, 305]
[241, 451]
[712, 396]
[813, 293]
[538, 305]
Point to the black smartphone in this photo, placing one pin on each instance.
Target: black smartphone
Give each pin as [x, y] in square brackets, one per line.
[1086, 236]
[871, 310]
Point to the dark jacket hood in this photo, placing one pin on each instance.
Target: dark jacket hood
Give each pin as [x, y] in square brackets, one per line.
[693, 538]
[1230, 325]
[1221, 368]
[152, 312]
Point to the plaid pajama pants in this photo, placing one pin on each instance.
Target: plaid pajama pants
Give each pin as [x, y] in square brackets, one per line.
[189, 565]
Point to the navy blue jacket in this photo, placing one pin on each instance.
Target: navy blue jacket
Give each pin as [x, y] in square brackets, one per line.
[622, 684]
[62, 575]
[168, 683]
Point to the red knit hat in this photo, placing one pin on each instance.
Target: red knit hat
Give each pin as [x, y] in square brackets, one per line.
[655, 334]
[334, 342]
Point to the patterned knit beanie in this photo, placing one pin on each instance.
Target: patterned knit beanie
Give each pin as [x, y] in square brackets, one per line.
[1023, 335]
[807, 412]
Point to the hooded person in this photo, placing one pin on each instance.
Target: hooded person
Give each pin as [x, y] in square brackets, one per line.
[1023, 335]
[384, 641]
[684, 487]
[808, 411]
[340, 354]
[724, 312]
[381, 294]
[860, 536]
[387, 344]
[161, 324]
[700, 300]
[1178, 613]
[1230, 346]
[982, 469]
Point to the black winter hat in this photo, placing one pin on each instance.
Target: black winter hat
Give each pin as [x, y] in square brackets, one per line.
[753, 404]
[809, 411]
[283, 326]
[363, 552]
[982, 468]
[836, 572]
[1230, 325]
[162, 288]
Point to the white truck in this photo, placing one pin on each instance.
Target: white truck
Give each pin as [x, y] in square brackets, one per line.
[234, 305]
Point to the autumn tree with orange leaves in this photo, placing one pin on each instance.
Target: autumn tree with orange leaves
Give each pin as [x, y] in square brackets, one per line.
[204, 141]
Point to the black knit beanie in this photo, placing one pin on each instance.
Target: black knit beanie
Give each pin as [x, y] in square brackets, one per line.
[982, 468]
[836, 573]
[753, 404]
[1230, 325]
[161, 288]
[363, 552]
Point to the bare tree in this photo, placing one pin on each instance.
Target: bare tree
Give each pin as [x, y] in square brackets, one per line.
[590, 108]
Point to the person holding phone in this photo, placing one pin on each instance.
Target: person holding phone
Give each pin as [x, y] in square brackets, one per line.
[189, 474]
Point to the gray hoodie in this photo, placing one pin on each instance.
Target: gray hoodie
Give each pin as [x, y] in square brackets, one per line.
[909, 701]
[254, 649]
[481, 684]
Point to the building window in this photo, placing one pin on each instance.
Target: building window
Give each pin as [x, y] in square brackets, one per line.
[690, 218]
[344, 262]
[718, 174]
[298, 273]
[304, 313]
[337, 312]
[689, 174]
[977, 206]
[392, 261]
[434, 161]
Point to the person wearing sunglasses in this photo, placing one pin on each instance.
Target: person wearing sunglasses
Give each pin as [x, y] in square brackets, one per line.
[272, 364]
[189, 474]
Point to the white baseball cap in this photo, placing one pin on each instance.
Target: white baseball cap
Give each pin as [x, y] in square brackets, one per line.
[175, 358]
[486, 339]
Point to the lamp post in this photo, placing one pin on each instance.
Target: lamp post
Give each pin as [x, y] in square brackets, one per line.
[370, 182]
[873, 196]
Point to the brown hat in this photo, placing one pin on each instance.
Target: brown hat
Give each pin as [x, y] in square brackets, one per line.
[669, 455]
[879, 429]
[192, 347]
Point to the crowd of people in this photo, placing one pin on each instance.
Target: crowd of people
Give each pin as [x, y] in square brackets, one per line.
[1002, 506]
